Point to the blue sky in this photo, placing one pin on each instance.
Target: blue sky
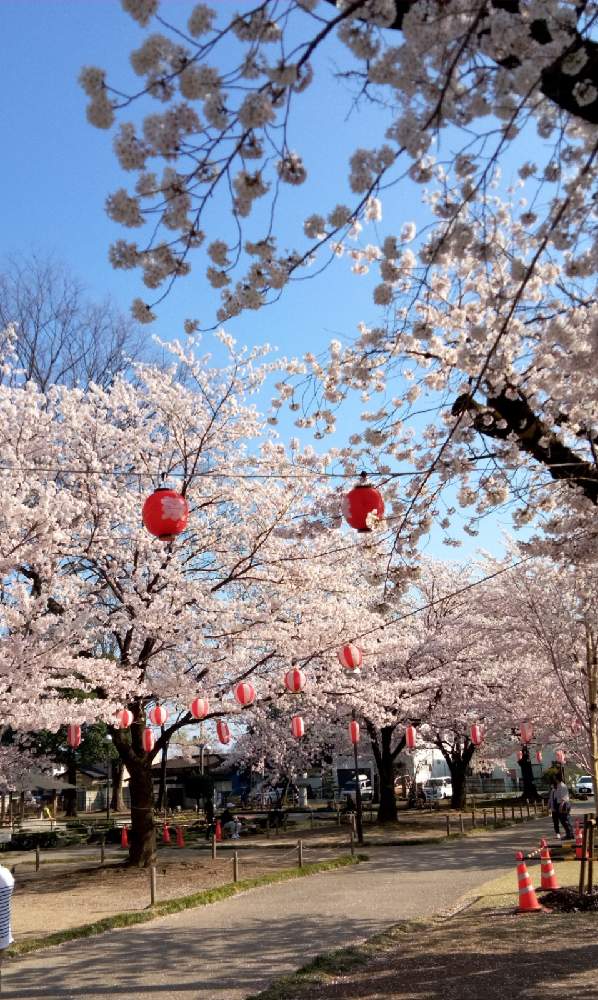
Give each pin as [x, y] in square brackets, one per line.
[56, 172]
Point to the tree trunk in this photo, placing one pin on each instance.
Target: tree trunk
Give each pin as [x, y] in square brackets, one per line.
[70, 795]
[117, 803]
[142, 843]
[387, 809]
[457, 755]
[530, 792]
[458, 775]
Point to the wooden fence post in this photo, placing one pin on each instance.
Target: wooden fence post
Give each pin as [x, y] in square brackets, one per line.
[235, 866]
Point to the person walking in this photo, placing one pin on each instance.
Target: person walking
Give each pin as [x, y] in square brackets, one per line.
[553, 807]
[561, 794]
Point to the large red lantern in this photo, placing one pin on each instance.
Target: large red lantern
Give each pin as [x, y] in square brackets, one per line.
[200, 708]
[223, 732]
[297, 727]
[354, 731]
[148, 740]
[350, 657]
[158, 715]
[526, 732]
[73, 736]
[560, 756]
[124, 718]
[360, 502]
[476, 735]
[410, 737]
[165, 513]
[538, 756]
[294, 680]
[244, 693]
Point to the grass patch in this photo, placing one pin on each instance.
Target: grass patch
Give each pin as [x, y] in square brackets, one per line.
[169, 906]
[339, 962]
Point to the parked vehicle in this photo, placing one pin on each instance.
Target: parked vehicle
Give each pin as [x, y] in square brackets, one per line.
[350, 789]
[583, 787]
[438, 788]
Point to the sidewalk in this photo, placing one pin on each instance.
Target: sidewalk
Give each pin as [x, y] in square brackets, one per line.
[231, 949]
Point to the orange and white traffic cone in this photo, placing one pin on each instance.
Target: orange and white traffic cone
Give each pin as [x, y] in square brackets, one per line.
[124, 837]
[180, 840]
[165, 834]
[218, 831]
[528, 901]
[548, 877]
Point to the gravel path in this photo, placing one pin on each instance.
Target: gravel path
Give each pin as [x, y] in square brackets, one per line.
[233, 948]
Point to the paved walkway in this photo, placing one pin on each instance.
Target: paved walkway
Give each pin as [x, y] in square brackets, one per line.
[231, 949]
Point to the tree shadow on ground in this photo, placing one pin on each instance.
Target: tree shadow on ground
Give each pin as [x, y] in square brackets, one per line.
[494, 958]
[173, 961]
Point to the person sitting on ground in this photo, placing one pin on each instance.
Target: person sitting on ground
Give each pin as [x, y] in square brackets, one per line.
[231, 826]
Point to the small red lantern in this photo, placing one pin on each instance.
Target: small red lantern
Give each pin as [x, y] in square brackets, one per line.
[165, 513]
[476, 735]
[124, 718]
[520, 755]
[244, 694]
[294, 680]
[350, 657]
[526, 732]
[538, 756]
[200, 708]
[148, 740]
[223, 732]
[297, 727]
[360, 502]
[73, 735]
[354, 731]
[410, 738]
[158, 715]
[560, 756]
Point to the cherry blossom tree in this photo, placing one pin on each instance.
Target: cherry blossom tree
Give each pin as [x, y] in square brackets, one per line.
[227, 87]
[487, 313]
[549, 612]
[97, 614]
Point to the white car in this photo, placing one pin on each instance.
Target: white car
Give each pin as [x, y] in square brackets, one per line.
[438, 788]
[583, 787]
[349, 789]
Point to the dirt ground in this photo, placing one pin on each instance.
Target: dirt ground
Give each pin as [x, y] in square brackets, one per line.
[500, 957]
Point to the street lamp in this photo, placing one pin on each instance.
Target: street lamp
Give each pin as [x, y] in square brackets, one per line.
[108, 774]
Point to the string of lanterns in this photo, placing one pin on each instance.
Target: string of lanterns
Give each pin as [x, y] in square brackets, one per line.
[165, 513]
[350, 657]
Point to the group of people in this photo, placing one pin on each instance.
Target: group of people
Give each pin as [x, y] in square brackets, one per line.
[560, 807]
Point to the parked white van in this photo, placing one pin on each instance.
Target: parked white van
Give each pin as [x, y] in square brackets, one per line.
[438, 788]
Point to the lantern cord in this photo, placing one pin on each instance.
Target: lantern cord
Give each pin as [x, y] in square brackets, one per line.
[431, 604]
[215, 474]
